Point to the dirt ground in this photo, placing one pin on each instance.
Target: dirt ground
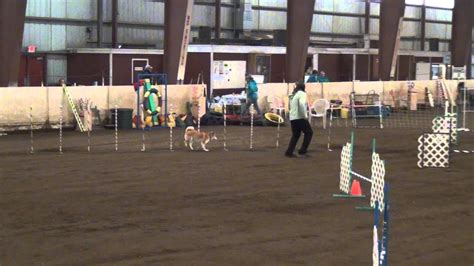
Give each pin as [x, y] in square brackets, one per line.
[238, 207]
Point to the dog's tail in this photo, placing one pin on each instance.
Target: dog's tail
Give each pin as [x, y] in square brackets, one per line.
[189, 129]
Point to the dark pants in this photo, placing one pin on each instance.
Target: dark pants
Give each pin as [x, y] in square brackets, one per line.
[298, 126]
[251, 101]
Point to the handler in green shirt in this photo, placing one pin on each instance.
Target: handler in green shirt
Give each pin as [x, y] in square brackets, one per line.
[299, 121]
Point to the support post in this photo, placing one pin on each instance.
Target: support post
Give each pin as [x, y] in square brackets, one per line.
[299, 20]
[100, 20]
[391, 19]
[115, 23]
[217, 27]
[178, 17]
[423, 27]
[12, 23]
[461, 40]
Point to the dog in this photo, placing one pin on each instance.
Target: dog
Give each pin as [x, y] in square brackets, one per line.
[191, 135]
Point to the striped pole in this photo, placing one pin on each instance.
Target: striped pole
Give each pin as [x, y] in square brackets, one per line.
[278, 129]
[116, 128]
[60, 129]
[199, 117]
[171, 129]
[143, 128]
[32, 147]
[251, 126]
[225, 126]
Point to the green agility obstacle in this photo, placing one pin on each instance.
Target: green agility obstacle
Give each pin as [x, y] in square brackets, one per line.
[347, 176]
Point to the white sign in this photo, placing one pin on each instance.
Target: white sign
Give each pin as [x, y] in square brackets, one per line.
[229, 74]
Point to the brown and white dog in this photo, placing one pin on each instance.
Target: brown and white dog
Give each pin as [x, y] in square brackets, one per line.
[191, 135]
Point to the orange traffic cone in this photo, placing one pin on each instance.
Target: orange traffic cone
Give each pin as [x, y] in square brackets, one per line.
[356, 190]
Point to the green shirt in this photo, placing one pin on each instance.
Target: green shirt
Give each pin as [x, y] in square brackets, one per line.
[299, 106]
[323, 79]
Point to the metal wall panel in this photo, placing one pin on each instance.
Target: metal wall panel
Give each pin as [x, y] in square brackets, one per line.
[413, 12]
[347, 25]
[272, 3]
[268, 20]
[58, 8]
[349, 6]
[38, 8]
[203, 16]
[436, 14]
[140, 11]
[56, 68]
[322, 23]
[438, 31]
[410, 29]
[39, 35]
[81, 9]
[58, 36]
[77, 37]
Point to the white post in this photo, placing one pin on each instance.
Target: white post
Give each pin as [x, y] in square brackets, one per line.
[330, 126]
[251, 125]
[278, 128]
[88, 140]
[60, 129]
[225, 126]
[116, 128]
[143, 128]
[380, 114]
[32, 148]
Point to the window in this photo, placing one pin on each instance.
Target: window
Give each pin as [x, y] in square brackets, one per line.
[433, 3]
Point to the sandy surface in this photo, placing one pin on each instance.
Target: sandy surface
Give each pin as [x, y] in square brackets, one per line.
[238, 207]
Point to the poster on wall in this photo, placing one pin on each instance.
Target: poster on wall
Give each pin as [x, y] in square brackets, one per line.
[229, 74]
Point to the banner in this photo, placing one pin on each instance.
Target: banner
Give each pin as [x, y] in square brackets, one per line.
[185, 41]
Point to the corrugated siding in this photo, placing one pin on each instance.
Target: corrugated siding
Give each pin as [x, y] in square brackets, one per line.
[57, 68]
[57, 36]
[141, 11]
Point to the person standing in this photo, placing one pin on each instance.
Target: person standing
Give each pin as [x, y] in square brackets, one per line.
[299, 121]
[252, 95]
[322, 78]
[313, 78]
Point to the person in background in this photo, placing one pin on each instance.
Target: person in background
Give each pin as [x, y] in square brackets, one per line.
[299, 121]
[147, 74]
[313, 78]
[322, 77]
[61, 82]
[252, 95]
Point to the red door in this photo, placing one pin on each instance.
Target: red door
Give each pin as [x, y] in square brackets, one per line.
[31, 70]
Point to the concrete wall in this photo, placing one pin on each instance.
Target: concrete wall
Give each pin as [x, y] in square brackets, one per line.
[15, 102]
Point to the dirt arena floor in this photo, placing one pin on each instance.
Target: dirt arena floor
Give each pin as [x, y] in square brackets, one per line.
[238, 207]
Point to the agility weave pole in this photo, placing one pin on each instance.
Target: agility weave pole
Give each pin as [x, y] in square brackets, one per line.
[116, 128]
[32, 146]
[252, 112]
[61, 129]
[347, 176]
[224, 111]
